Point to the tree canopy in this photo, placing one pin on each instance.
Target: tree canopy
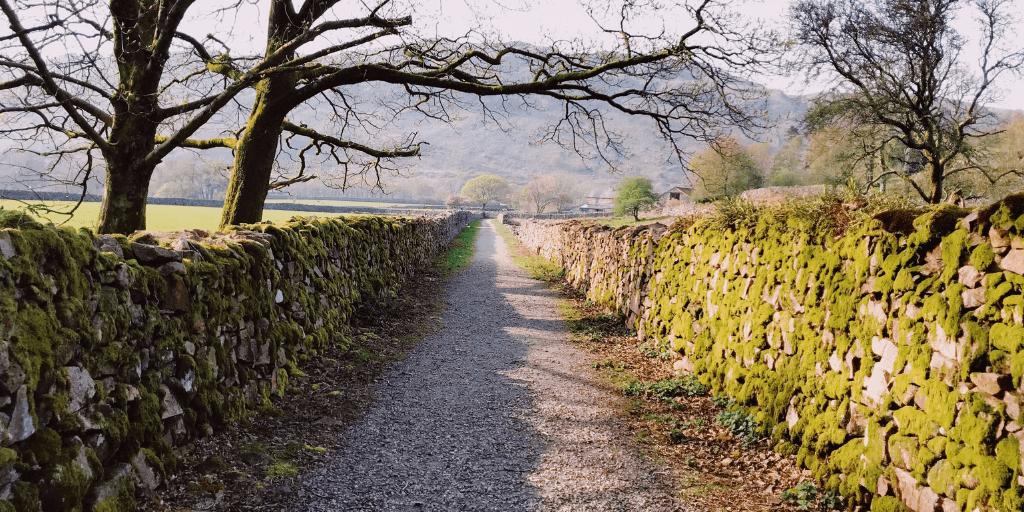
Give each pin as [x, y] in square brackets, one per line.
[725, 170]
[897, 71]
[488, 188]
[634, 195]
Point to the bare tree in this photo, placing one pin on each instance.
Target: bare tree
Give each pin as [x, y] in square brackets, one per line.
[115, 84]
[643, 75]
[898, 66]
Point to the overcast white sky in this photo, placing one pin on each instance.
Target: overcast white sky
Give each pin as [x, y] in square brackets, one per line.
[538, 21]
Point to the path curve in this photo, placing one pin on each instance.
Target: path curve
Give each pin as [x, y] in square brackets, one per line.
[494, 412]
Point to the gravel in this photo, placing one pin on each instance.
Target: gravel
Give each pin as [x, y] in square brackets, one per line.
[494, 412]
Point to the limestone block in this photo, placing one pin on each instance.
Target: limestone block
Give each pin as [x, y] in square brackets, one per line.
[83, 388]
[998, 237]
[970, 276]
[145, 475]
[1012, 405]
[834, 363]
[1013, 262]
[21, 426]
[973, 298]
[915, 496]
[792, 416]
[990, 383]
[153, 255]
[171, 408]
[948, 347]
[7, 249]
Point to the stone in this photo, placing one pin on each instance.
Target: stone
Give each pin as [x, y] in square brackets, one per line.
[7, 249]
[997, 237]
[21, 426]
[912, 311]
[177, 298]
[949, 505]
[107, 243]
[973, 298]
[883, 487]
[83, 388]
[172, 268]
[916, 497]
[147, 478]
[969, 221]
[990, 383]
[969, 276]
[1012, 406]
[8, 477]
[943, 367]
[834, 363]
[1013, 262]
[279, 297]
[170, 404]
[948, 347]
[153, 255]
[792, 416]
[12, 376]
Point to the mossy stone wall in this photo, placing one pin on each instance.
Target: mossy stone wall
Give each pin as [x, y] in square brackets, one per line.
[889, 363]
[114, 350]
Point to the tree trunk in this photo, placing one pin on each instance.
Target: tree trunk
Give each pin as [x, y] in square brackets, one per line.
[254, 158]
[123, 209]
[938, 170]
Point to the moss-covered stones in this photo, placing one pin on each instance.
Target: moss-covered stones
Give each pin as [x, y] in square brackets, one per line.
[913, 336]
[112, 351]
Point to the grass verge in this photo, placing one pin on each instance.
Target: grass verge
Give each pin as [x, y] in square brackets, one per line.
[460, 252]
[538, 267]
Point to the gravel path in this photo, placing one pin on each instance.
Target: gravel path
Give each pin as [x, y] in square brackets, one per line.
[494, 412]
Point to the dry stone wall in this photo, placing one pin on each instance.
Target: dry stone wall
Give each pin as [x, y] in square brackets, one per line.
[889, 363]
[115, 350]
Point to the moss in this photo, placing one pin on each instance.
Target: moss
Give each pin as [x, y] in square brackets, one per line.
[26, 497]
[1008, 452]
[6, 506]
[46, 446]
[888, 504]
[14, 219]
[7, 457]
[982, 257]
[123, 501]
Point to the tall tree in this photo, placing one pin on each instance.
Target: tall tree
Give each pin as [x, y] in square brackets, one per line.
[724, 170]
[436, 74]
[485, 189]
[90, 83]
[898, 65]
[634, 195]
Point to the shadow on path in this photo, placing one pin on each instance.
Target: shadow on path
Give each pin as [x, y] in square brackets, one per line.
[446, 431]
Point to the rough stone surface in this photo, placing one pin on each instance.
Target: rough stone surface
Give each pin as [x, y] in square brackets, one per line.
[969, 276]
[172, 268]
[21, 425]
[489, 414]
[991, 383]
[107, 243]
[1013, 262]
[83, 388]
[7, 249]
[153, 255]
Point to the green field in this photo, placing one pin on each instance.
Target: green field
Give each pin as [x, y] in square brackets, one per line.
[159, 217]
[350, 204]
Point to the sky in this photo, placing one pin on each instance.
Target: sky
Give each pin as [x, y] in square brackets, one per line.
[540, 21]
